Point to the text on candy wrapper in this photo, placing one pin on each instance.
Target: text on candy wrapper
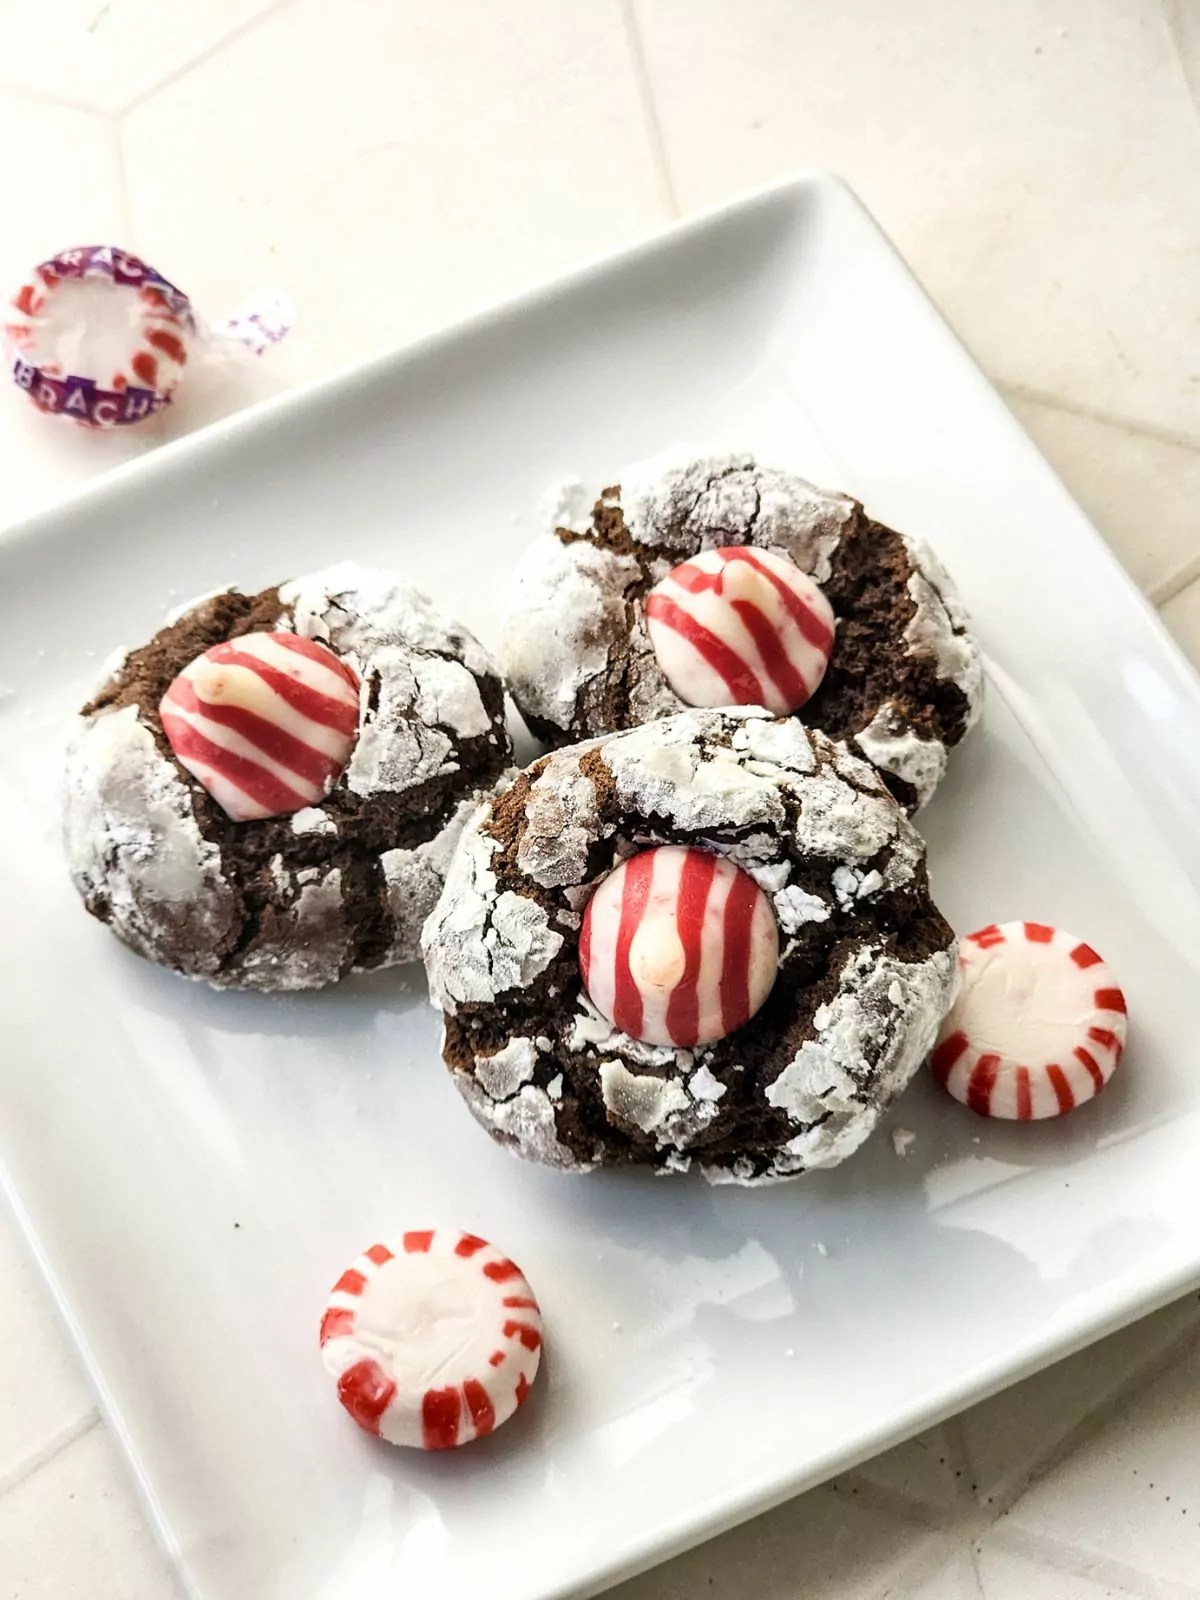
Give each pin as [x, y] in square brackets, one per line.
[82, 399]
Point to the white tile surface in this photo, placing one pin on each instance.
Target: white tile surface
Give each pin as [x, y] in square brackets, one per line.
[1038, 163]
[1142, 492]
[929, 1471]
[43, 1395]
[1008, 1438]
[73, 1531]
[396, 161]
[1004, 1575]
[105, 53]
[822, 1544]
[459, 152]
[1130, 1493]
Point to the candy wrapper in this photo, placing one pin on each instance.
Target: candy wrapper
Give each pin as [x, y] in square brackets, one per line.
[98, 336]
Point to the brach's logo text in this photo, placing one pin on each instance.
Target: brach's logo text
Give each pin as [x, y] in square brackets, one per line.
[82, 399]
[107, 261]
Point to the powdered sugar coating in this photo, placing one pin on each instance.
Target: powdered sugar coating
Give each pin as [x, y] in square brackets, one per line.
[133, 845]
[382, 626]
[147, 858]
[892, 745]
[576, 652]
[824, 843]
[886, 1011]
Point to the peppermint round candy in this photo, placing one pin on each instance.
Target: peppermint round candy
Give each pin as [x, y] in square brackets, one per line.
[99, 337]
[434, 1339]
[1038, 1026]
[678, 947]
[265, 722]
[740, 626]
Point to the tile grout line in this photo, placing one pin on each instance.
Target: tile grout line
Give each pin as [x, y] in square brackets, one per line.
[1056, 1555]
[1106, 419]
[1167, 588]
[649, 108]
[971, 1519]
[236, 32]
[1095, 1421]
[46, 1453]
[57, 102]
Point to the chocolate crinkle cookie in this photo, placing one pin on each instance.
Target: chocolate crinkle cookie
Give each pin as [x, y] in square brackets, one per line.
[266, 796]
[708, 939]
[625, 615]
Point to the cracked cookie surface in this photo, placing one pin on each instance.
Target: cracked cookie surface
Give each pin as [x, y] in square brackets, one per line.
[296, 901]
[866, 969]
[904, 680]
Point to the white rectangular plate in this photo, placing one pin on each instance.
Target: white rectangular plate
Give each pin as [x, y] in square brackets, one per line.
[195, 1169]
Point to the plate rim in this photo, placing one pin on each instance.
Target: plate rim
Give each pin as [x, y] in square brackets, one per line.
[773, 1487]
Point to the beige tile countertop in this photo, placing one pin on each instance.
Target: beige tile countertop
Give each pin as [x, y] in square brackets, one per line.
[393, 163]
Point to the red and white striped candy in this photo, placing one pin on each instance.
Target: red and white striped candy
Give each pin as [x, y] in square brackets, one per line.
[678, 946]
[434, 1339]
[120, 335]
[1038, 1026]
[266, 722]
[740, 626]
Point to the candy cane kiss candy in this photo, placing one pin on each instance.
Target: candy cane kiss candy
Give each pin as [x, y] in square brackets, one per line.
[678, 946]
[266, 722]
[434, 1339]
[740, 626]
[1038, 1026]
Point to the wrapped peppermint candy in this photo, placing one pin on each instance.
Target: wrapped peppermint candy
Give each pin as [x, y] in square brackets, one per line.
[98, 336]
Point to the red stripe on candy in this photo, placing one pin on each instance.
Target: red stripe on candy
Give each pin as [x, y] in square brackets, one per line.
[417, 1242]
[479, 1404]
[497, 1358]
[351, 1282]
[169, 344]
[366, 1392]
[1062, 1089]
[744, 688]
[1110, 1000]
[635, 892]
[695, 885]
[145, 367]
[791, 684]
[522, 1389]
[439, 1419]
[501, 1271]
[379, 1253]
[585, 946]
[1084, 956]
[272, 741]
[1104, 1037]
[313, 651]
[469, 1244]
[983, 1081]
[311, 703]
[520, 1302]
[987, 937]
[528, 1336]
[740, 906]
[1089, 1061]
[1038, 932]
[336, 1323]
[807, 622]
[255, 782]
[1024, 1095]
[947, 1053]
